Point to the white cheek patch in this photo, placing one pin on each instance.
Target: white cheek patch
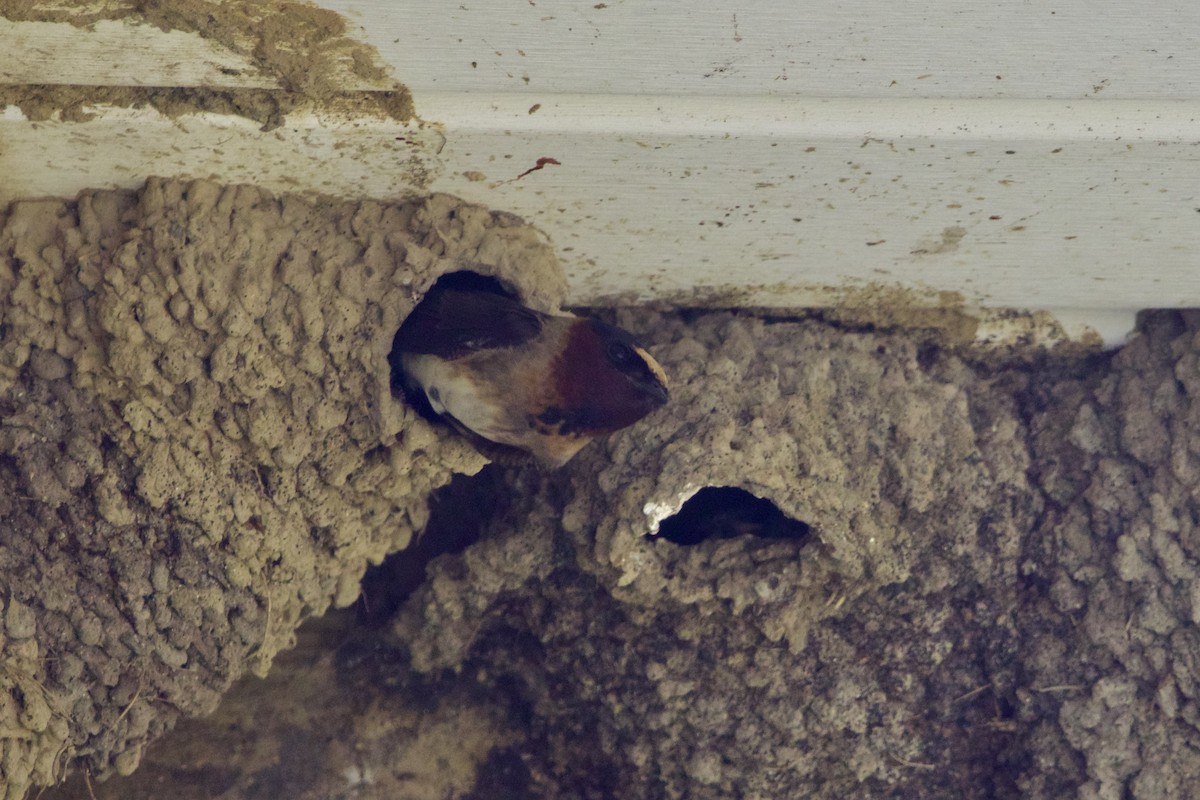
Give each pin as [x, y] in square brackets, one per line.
[423, 371]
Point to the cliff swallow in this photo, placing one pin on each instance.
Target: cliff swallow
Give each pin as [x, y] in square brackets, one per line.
[517, 381]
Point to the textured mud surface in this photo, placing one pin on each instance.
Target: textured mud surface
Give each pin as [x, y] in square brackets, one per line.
[997, 595]
[848, 663]
[198, 444]
[996, 598]
[301, 48]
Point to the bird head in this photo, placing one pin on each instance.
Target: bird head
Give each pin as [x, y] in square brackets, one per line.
[606, 380]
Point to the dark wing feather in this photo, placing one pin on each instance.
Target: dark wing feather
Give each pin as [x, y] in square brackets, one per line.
[450, 324]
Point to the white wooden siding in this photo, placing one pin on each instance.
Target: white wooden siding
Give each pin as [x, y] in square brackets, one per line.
[1019, 154]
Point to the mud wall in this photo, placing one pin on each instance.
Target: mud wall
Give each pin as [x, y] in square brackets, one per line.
[996, 597]
[198, 444]
[199, 450]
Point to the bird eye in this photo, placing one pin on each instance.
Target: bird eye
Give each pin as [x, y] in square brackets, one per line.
[620, 353]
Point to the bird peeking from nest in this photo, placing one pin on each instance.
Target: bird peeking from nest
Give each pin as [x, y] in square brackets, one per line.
[518, 382]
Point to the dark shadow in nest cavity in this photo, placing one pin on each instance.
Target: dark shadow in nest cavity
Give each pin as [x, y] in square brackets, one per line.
[503, 776]
[458, 513]
[725, 512]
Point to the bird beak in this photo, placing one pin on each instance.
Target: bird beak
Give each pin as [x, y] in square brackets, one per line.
[659, 393]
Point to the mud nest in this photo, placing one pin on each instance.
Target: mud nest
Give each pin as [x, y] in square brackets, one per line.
[198, 443]
[976, 579]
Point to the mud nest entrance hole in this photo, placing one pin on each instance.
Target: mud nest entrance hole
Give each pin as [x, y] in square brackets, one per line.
[725, 512]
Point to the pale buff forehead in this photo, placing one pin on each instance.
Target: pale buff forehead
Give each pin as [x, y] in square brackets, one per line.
[654, 366]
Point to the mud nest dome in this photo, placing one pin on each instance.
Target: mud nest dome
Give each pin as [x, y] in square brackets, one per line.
[199, 448]
[198, 443]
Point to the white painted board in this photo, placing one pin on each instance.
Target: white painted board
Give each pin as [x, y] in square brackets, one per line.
[1027, 155]
[1067, 49]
